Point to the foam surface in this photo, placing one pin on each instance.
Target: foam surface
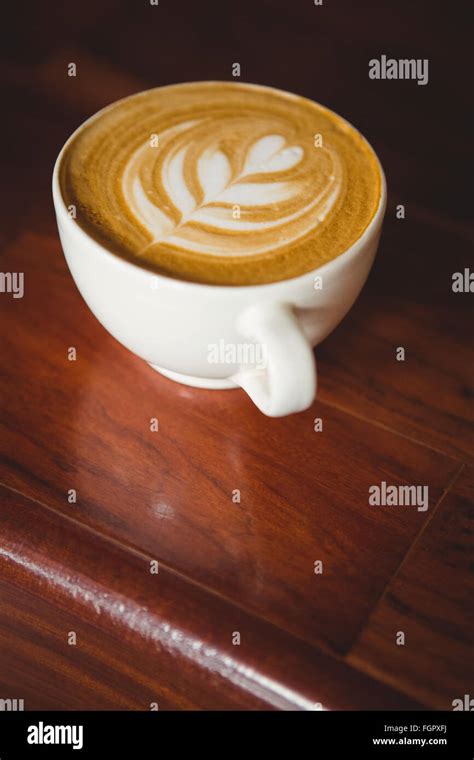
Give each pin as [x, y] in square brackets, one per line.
[221, 182]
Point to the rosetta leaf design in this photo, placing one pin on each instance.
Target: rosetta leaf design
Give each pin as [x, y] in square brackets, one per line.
[214, 173]
[268, 155]
[230, 212]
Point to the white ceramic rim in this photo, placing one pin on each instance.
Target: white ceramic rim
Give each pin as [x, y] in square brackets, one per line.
[354, 249]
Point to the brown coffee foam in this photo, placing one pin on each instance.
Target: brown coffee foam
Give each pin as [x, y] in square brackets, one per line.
[232, 117]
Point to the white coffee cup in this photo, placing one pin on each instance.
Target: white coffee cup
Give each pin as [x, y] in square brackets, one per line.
[203, 335]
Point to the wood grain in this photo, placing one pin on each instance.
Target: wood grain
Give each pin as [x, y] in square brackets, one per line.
[431, 601]
[143, 637]
[169, 493]
[408, 302]
[85, 425]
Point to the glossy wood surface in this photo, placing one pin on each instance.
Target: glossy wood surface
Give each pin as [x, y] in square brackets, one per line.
[430, 601]
[306, 639]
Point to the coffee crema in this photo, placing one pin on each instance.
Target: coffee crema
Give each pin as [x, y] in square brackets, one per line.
[221, 182]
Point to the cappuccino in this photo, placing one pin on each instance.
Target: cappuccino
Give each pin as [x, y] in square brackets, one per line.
[221, 183]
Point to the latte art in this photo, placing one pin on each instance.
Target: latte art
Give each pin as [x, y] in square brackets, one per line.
[221, 182]
[197, 187]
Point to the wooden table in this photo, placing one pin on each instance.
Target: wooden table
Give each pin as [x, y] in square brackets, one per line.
[129, 578]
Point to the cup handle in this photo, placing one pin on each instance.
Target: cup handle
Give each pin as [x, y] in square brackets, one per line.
[288, 382]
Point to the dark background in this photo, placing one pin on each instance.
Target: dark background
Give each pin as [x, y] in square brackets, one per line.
[321, 639]
[322, 52]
